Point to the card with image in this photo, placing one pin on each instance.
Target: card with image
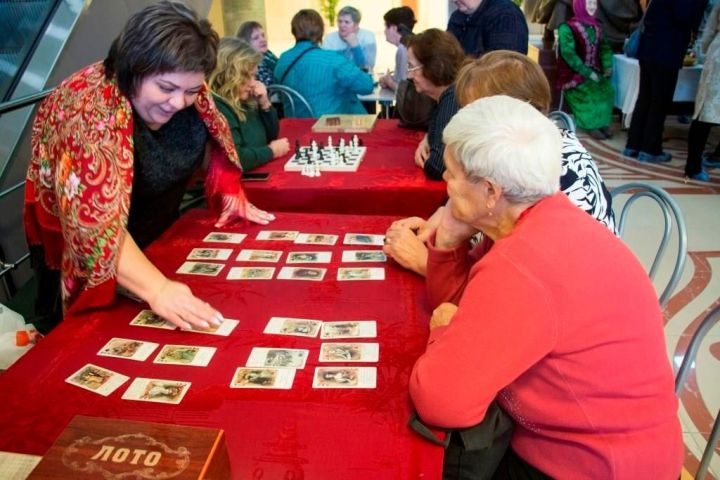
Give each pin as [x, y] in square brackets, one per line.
[263, 377]
[277, 357]
[316, 239]
[349, 352]
[97, 379]
[298, 327]
[349, 329]
[363, 256]
[345, 377]
[127, 348]
[302, 273]
[224, 329]
[156, 390]
[271, 256]
[351, 274]
[209, 254]
[201, 268]
[309, 257]
[185, 355]
[148, 318]
[279, 235]
[224, 237]
[251, 273]
[364, 239]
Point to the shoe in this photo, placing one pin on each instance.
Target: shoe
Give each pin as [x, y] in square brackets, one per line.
[606, 130]
[701, 177]
[598, 134]
[630, 152]
[662, 157]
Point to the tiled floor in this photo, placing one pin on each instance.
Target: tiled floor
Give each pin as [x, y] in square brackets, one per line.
[699, 288]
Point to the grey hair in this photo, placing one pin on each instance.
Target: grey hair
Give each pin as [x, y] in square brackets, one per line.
[352, 12]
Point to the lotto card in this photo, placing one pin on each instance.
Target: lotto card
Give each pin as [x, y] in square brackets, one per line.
[126, 348]
[209, 254]
[345, 377]
[316, 239]
[251, 273]
[363, 256]
[349, 329]
[277, 357]
[275, 378]
[349, 352]
[364, 239]
[201, 268]
[298, 327]
[272, 256]
[277, 235]
[224, 237]
[148, 318]
[309, 257]
[185, 355]
[97, 379]
[350, 274]
[224, 329]
[156, 390]
[301, 273]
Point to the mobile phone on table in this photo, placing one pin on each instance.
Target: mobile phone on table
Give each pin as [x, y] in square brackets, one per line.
[255, 176]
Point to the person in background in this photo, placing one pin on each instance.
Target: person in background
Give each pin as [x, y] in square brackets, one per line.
[244, 102]
[254, 34]
[399, 23]
[580, 367]
[328, 81]
[434, 59]
[485, 25]
[584, 68]
[354, 43]
[113, 148]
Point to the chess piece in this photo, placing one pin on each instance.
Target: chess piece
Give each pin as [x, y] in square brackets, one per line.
[317, 169]
[329, 141]
[355, 141]
[361, 143]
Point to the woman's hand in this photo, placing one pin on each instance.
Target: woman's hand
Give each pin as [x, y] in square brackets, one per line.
[279, 147]
[174, 302]
[259, 92]
[422, 152]
[234, 207]
[443, 315]
[405, 246]
[451, 232]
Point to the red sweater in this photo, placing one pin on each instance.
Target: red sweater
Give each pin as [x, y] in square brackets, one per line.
[560, 322]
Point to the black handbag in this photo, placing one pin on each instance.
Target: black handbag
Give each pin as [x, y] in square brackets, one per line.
[412, 108]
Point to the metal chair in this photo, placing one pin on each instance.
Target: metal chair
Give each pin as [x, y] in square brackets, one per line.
[291, 95]
[562, 120]
[670, 210]
[708, 322]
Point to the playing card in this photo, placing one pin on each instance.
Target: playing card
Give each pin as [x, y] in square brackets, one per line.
[345, 377]
[127, 348]
[350, 274]
[97, 379]
[301, 273]
[299, 327]
[316, 239]
[277, 235]
[259, 256]
[277, 357]
[185, 355]
[277, 378]
[156, 390]
[349, 329]
[251, 273]
[364, 239]
[363, 256]
[148, 318]
[224, 237]
[201, 268]
[309, 257]
[224, 329]
[209, 254]
[349, 352]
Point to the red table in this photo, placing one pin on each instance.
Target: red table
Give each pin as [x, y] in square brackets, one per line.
[386, 183]
[341, 434]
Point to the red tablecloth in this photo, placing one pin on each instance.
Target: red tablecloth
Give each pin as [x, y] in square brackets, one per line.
[316, 434]
[386, 183]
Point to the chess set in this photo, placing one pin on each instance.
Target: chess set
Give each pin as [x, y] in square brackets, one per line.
[316, 158]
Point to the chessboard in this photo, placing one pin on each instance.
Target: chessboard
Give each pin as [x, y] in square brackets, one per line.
[316, 158]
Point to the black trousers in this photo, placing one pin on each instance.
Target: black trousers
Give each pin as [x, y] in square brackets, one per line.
[657, 86]
[48, 302]
[697, 138]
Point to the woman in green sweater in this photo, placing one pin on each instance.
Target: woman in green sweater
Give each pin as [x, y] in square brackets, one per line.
[244, 102]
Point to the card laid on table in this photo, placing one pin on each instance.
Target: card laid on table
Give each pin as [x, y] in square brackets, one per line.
[201, 268]
[349, 329]
[349, 352]
[277, 357]
[301, 273]
[285, 235]
[350, 274]
[263, 377]
[224, 237]
[185, 355]
[126, 348]
[345, 377]
[309, 257]
[97, 379]
[364, 239]
[259, 256]
[224, 329]
[209, 254]
[316, 239]
[364, 256]
[148, 318]
[299, 327]
[251, 273]
[156, 390]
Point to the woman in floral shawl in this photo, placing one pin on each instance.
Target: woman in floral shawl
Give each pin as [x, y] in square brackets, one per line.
[113, 148]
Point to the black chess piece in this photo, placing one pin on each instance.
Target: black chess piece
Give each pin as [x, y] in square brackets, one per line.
[360, 142]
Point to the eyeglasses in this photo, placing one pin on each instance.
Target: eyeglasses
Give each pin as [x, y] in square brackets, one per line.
[413, 69]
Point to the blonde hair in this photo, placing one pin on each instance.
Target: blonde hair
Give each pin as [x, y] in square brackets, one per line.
[235, 64]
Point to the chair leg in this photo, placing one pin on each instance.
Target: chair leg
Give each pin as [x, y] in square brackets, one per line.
[709, 449]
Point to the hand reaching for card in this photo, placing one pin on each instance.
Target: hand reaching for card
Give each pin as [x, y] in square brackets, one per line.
[174, 302]
[234, 207]
[443, 315]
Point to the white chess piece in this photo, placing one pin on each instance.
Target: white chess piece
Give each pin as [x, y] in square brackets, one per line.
[329, 141]
[317, 169]
[355, 141]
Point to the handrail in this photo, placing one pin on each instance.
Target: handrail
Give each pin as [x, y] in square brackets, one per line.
[21, 102]
[4, 193]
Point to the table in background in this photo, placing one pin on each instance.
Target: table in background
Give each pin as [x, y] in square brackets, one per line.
[386, 183]
[626, 81]
[384, 96]
[343, 434]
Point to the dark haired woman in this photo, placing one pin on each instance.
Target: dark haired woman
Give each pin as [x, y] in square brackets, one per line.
[399, 23]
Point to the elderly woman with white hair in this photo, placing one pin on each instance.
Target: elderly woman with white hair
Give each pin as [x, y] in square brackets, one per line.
[557, 321]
